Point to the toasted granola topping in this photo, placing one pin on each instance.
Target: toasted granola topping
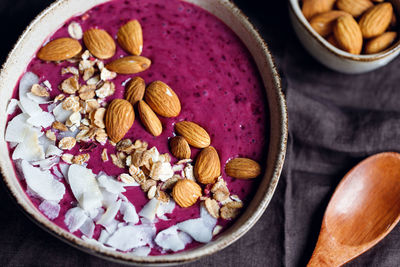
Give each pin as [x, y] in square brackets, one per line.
[107, 89]
[80, 159]
[86, 92]
[97, 117]
[75, 30]
[51, 135]
[126, 178]
[67, 158]
[88, 73]
[212, 207]
[188, 171]
[70, 85]
[91, 105]
[104, 155]
[93, 80]
[170, 182]
[140, 145]
[162, 196]
[137, 174]
[101, 136]
[230, 210]
[60, 97]
[152, 192]
[71, 70]
[146, 185]
[106, 75]
[117, 162]
[59, 126]
[125, 145]
[39, 90]
[71, 103]
[67, 143]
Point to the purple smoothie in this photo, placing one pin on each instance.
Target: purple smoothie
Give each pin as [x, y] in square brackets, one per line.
[210, 70]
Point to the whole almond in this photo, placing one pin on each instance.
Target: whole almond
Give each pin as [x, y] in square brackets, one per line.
[323, 23]
[348, 34]
[130, 37]
[380, 42]
[129, 65]
[149, 119]
[354, 7]
[376, 20]
[119, 119]
[194, 134]
[134, 91]
[186, 192]
[99, 43]
[180, 147]
[313, 7]
[60, 49]
[162, 99]
[243, 168]
[208, 167]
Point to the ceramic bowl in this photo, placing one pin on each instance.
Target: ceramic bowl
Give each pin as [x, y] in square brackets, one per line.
[47, 23]
[332, 57]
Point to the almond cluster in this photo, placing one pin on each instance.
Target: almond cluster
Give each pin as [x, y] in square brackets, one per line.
[354, 26]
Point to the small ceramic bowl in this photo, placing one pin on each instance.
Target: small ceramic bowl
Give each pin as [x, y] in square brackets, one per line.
[48, 22]
[333, 57]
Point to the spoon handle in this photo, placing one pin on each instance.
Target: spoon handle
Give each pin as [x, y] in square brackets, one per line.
[327, 252]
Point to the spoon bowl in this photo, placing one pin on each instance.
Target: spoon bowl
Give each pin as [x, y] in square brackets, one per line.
[364, 208]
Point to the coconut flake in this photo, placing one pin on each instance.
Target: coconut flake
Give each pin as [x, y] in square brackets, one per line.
[64, 170]
[197, 230]
[50, 208]
[164, 208]
[110, 213]
[129, 237]
[110, 184]
[52, 150]
[42, 119]
[29, 149]
[169, 239]
[47, 164]
[149, 211]
[17, 128]
[84, 187]
[129, 212]
[141, 251]
[108, 198]
[75, 218]
[112, 226]
[42, 182]
[87, 228]
[12, 106]
[104, 235]
[56, 172]
[61, 114]
[28, 105]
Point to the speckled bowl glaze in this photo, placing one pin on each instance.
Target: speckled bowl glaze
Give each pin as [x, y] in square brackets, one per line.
[47, 23]
[332, 57]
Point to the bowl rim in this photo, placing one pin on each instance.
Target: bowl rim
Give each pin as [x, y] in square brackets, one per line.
[294, 6]
[207, 249]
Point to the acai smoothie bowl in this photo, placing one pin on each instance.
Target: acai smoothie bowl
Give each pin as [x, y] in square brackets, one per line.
[145, 132]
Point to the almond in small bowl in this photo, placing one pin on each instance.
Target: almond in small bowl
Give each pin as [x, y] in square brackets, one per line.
[364, 41]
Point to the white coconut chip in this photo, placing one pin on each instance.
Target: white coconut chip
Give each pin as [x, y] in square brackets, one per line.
[17, 128]
[52, 150]
[12, 106]
[104, 235]
[47, 164]
[84, 187]
[169, 239]
[208, 220]
[108, 197]
[56, 172]
[110, 184]
[45, 142]
[61, 114]
[129, 237]
[149, 211]
[75, 218]
[110, 213]
[129, 211]
[29, 149]
[164, 208]
[141, 251]
[42, 182]
[112, 226]
[87, 228]
[38, 99]
[41, 119]
[28, 105]
[64, 169]
[50, 208]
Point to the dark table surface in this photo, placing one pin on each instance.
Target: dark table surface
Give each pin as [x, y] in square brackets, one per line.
[335, 121]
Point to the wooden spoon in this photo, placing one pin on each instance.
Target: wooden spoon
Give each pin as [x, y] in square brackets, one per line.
[363, 210]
